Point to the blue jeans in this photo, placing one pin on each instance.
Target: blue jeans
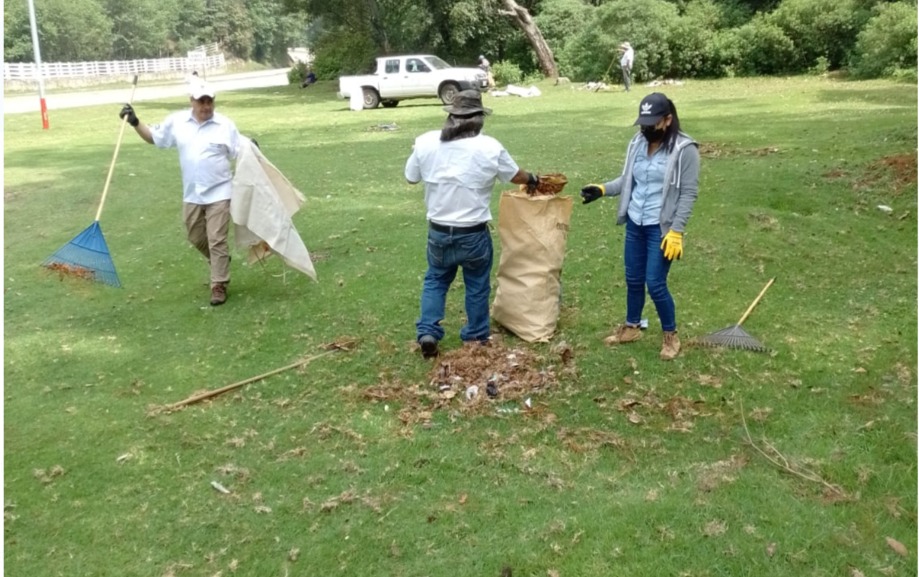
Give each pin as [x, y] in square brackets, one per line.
[645, 265]
[446, 253]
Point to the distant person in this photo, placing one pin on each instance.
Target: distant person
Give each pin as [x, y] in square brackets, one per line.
[485, 65]
[625, 62]
[657, 189]
[310, 79]
[459, 167]
[207, 142]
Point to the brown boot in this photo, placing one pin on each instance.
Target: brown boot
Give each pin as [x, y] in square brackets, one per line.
[671, 346]
[624, 333]
[218, 293]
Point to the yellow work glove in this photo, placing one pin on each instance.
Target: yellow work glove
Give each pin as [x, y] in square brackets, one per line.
[672, 245]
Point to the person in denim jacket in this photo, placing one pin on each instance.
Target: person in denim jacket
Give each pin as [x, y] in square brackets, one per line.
[657, 189]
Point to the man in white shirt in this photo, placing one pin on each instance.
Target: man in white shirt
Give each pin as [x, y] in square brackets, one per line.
[459, 166]
[628, 57]
[207, 143]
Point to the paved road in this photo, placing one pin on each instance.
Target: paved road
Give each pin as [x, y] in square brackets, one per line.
[221, 83]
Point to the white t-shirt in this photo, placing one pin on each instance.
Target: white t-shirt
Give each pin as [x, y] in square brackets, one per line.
[205, 152]
[459, 176]
[627, 57]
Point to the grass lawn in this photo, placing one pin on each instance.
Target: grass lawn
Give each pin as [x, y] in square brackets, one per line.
[797, 462]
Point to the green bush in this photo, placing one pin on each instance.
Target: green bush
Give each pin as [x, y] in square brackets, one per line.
[588, 56]
[338, 53]
[725, 54]
[818, 28]
[506, 72]
[764, 48]
[887, 44]
[647, 25]
[297, 73]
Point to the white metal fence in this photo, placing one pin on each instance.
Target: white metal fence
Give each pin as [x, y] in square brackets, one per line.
[25, 71]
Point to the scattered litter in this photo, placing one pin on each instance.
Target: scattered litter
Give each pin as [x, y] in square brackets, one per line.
[595, 86]
[491, 389]
[472, 392]
[884, 208]
[513, 90]
[528, 403]
[122, 458]
[507, 410]
[220, 487]
[384, 127]
[668, 81]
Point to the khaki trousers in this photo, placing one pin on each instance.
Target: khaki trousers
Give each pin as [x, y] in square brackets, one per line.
[208, 227]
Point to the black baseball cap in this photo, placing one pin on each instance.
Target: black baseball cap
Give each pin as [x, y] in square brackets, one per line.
[653, 107]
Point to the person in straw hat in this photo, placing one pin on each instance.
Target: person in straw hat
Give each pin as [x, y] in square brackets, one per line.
[459, 166]
[625, 62]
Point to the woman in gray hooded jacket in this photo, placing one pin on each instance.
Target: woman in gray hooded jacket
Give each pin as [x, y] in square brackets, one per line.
[657, 189]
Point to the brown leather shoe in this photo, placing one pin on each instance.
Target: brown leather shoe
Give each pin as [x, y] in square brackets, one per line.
[624, 333]
[671, 346]
[218, 293]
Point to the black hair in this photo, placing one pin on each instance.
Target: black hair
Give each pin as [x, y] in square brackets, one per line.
[673, 130]
[457, 127]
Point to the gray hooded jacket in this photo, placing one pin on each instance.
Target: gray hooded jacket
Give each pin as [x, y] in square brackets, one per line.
[681, 182]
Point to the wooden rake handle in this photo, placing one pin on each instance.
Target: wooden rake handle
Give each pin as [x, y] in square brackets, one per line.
[111, 168]
[759, 296]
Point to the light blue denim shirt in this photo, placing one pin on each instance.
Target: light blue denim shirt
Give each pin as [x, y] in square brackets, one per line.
[647, 186]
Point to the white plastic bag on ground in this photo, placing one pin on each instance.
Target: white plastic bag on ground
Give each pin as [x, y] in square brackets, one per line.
[356, 101]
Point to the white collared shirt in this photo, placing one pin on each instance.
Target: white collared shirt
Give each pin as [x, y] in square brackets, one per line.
[205, 152]
[459, 176]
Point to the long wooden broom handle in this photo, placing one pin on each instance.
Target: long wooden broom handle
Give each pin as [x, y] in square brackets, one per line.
[111, 168]
[220, 391]
[759, 296]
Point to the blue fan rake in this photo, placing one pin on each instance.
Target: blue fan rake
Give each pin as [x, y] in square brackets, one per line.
[87, 255]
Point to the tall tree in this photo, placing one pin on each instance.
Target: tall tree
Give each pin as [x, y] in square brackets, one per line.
[522, 19]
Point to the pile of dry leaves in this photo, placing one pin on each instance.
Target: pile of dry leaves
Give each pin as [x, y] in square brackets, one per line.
[478, 379]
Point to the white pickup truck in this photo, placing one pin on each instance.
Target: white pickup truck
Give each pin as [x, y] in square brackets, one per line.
[415, 76]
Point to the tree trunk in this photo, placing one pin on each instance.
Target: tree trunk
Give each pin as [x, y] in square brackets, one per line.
[522, 20]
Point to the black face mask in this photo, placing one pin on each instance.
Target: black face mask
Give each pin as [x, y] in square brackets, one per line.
[653, 134]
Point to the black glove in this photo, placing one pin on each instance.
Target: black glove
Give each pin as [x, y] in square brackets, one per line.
[592, 192]
[532, 182]
[128, 111]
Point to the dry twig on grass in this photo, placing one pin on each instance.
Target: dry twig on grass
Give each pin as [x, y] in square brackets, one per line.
[778, 459]
[342, 345]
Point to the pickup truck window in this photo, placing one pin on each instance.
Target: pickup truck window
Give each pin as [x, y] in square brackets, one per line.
[415, 65]
[392, 66]
[436, 63]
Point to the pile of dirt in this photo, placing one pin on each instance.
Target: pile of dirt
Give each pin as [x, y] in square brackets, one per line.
[478, 379]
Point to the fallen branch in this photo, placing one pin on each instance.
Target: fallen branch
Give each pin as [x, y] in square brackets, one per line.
[209, 394]
[779, 460]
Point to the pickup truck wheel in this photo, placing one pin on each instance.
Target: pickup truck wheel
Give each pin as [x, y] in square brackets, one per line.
[371, 98]
[448, 92]
[389, 103]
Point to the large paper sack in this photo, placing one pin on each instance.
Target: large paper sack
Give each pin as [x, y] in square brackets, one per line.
[533, 232]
